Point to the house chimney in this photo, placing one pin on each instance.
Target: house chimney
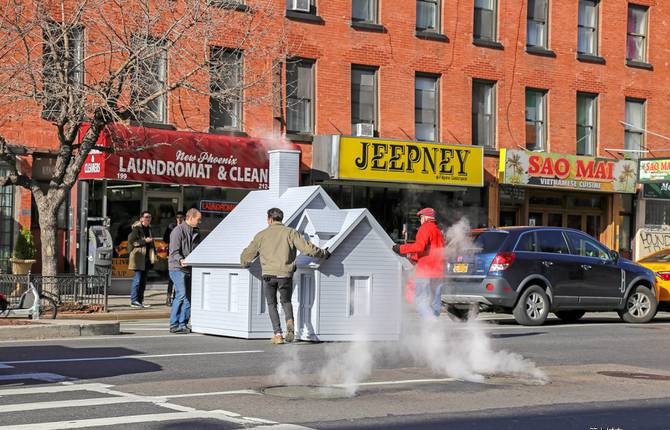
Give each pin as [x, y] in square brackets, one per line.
[284, 170]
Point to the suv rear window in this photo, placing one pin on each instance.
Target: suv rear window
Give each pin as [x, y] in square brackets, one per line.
[488, 242]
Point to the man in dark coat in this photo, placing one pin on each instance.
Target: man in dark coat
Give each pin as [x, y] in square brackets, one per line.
[141, 254]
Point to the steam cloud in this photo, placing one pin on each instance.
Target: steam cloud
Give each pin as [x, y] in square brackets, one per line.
[460, 350]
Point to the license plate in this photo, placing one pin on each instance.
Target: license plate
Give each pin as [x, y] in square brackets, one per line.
[460, 268]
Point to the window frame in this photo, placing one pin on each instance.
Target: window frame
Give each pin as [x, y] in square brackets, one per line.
[143, 117]
[544, 144]
[635, 130]
[297, 61]
[237, 112]
[634, 36]
[438, 17]
[374, 19]
[494, 22]
[436, 124]
[492, 115]
[312, 8]
[595, 30]
[544, 22]
[593, 98]
[375, 92]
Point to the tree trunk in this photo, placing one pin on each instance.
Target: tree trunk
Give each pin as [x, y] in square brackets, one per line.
[48, 228]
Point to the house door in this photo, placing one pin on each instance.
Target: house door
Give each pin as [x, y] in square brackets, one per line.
[306, 294]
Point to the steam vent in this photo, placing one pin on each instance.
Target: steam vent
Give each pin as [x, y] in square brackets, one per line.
[354, 294]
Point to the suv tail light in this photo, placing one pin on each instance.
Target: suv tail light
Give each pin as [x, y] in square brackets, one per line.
[502, 261]
[663, 275]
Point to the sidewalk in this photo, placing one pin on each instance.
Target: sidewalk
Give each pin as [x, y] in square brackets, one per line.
[119, 309]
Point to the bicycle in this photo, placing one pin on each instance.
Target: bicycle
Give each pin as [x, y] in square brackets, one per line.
[31, 304]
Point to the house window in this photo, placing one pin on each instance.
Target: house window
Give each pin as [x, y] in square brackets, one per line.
[305, 6]
[226, 86]
[58, 61]
[300, 96]
[360, 296]
[428, 15]
[634, 127]
[587, 133]
[364, 11]
[6, 222]
[363, 99]
[636, 39]
[536, 28]
[426, 108]
[536, 114]
[148, 95]
[485, 20]
[587, 38]
[483, 114]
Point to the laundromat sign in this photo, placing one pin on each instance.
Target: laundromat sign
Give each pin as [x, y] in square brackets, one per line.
[177, 157]
[415, 162]
[518, 167]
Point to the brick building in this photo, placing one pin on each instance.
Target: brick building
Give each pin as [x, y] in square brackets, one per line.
[559, 80]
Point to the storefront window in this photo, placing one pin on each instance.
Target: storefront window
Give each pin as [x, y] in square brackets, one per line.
[657, 212]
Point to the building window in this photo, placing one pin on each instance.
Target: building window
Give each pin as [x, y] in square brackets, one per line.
[587, 133]
[636, 38]
[536, 28]
[485, 21]
[483, 113]
[57, 62]
[634, 127]
[300, 96]
[226, 86]
[656, 213]
[364, 11]
[305, 6]
[6, 222]
[426, 116]
[363, 100]
[149, 77]
[587, 38]
[536, 120]
[428, 15]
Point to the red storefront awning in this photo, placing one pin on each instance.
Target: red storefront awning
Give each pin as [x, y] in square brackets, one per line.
[178, 157]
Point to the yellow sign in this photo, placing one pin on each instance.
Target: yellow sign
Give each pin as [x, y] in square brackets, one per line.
[416, 162]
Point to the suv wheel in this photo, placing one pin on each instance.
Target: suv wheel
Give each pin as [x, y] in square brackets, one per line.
[569, 316]
[640, 306]
[532, 307]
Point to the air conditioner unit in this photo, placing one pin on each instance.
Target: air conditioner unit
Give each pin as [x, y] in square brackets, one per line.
[364, 129]
[300, 5]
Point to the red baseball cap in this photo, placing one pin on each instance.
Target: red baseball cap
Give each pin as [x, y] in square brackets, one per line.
[428, 212]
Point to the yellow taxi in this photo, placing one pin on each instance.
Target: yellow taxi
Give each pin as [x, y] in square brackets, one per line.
[659, 262]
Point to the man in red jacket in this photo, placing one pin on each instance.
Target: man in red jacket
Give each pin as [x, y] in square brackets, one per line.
[429, 249]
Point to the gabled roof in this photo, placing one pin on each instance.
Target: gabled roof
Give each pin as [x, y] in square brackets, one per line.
[223, 246]
[324, 221]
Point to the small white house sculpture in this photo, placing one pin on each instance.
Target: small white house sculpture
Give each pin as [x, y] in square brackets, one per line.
[356, 292]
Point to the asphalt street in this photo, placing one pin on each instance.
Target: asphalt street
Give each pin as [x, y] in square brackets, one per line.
[602, 373]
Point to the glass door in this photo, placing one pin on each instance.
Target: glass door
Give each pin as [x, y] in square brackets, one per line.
[163, 206]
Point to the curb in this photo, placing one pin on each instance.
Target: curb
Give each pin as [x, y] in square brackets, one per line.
[119, 315]
[53, 329]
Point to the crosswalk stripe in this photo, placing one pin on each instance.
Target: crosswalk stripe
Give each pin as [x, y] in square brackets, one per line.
[51, 389]
[20, 407]
[39, 376]
[99, 422]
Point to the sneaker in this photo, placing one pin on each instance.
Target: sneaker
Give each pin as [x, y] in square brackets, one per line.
[290, 335]
[145, 306]
[182, 330]
[135, 304]
[277, 339]
[174, 329]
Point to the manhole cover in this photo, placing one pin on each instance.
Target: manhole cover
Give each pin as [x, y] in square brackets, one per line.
[633, 375]
[308, 392]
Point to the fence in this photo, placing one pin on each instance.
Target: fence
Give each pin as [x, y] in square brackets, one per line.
[66, 289]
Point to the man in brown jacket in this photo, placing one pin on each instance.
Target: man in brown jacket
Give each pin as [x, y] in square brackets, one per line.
[277, 246]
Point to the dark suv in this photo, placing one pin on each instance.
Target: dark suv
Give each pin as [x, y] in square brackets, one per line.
[531, 271]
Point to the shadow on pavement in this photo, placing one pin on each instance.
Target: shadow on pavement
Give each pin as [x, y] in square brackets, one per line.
[509, 335]
[81, 363]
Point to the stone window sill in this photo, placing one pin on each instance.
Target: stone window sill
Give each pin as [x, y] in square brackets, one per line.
[587, 58]
[639, 65]
[300, 137]
[538, 50]
[303, 16]
[488, 44]
[431, 35]
[368, 26]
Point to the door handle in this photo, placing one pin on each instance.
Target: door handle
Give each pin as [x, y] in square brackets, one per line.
[586, 267]
[548, 263]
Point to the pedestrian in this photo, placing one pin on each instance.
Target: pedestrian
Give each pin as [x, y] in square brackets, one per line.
[429, 250]
[141, 256]
[276, 245]
[183, 240]
[179, 218]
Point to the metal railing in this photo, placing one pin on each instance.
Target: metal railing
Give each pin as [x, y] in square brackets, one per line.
[64, 289]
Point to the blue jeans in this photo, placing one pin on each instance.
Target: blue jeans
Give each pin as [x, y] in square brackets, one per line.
[428, 297]
[181, 306]
[138, 286]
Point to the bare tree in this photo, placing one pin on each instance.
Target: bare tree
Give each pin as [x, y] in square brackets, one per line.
[97, 62]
